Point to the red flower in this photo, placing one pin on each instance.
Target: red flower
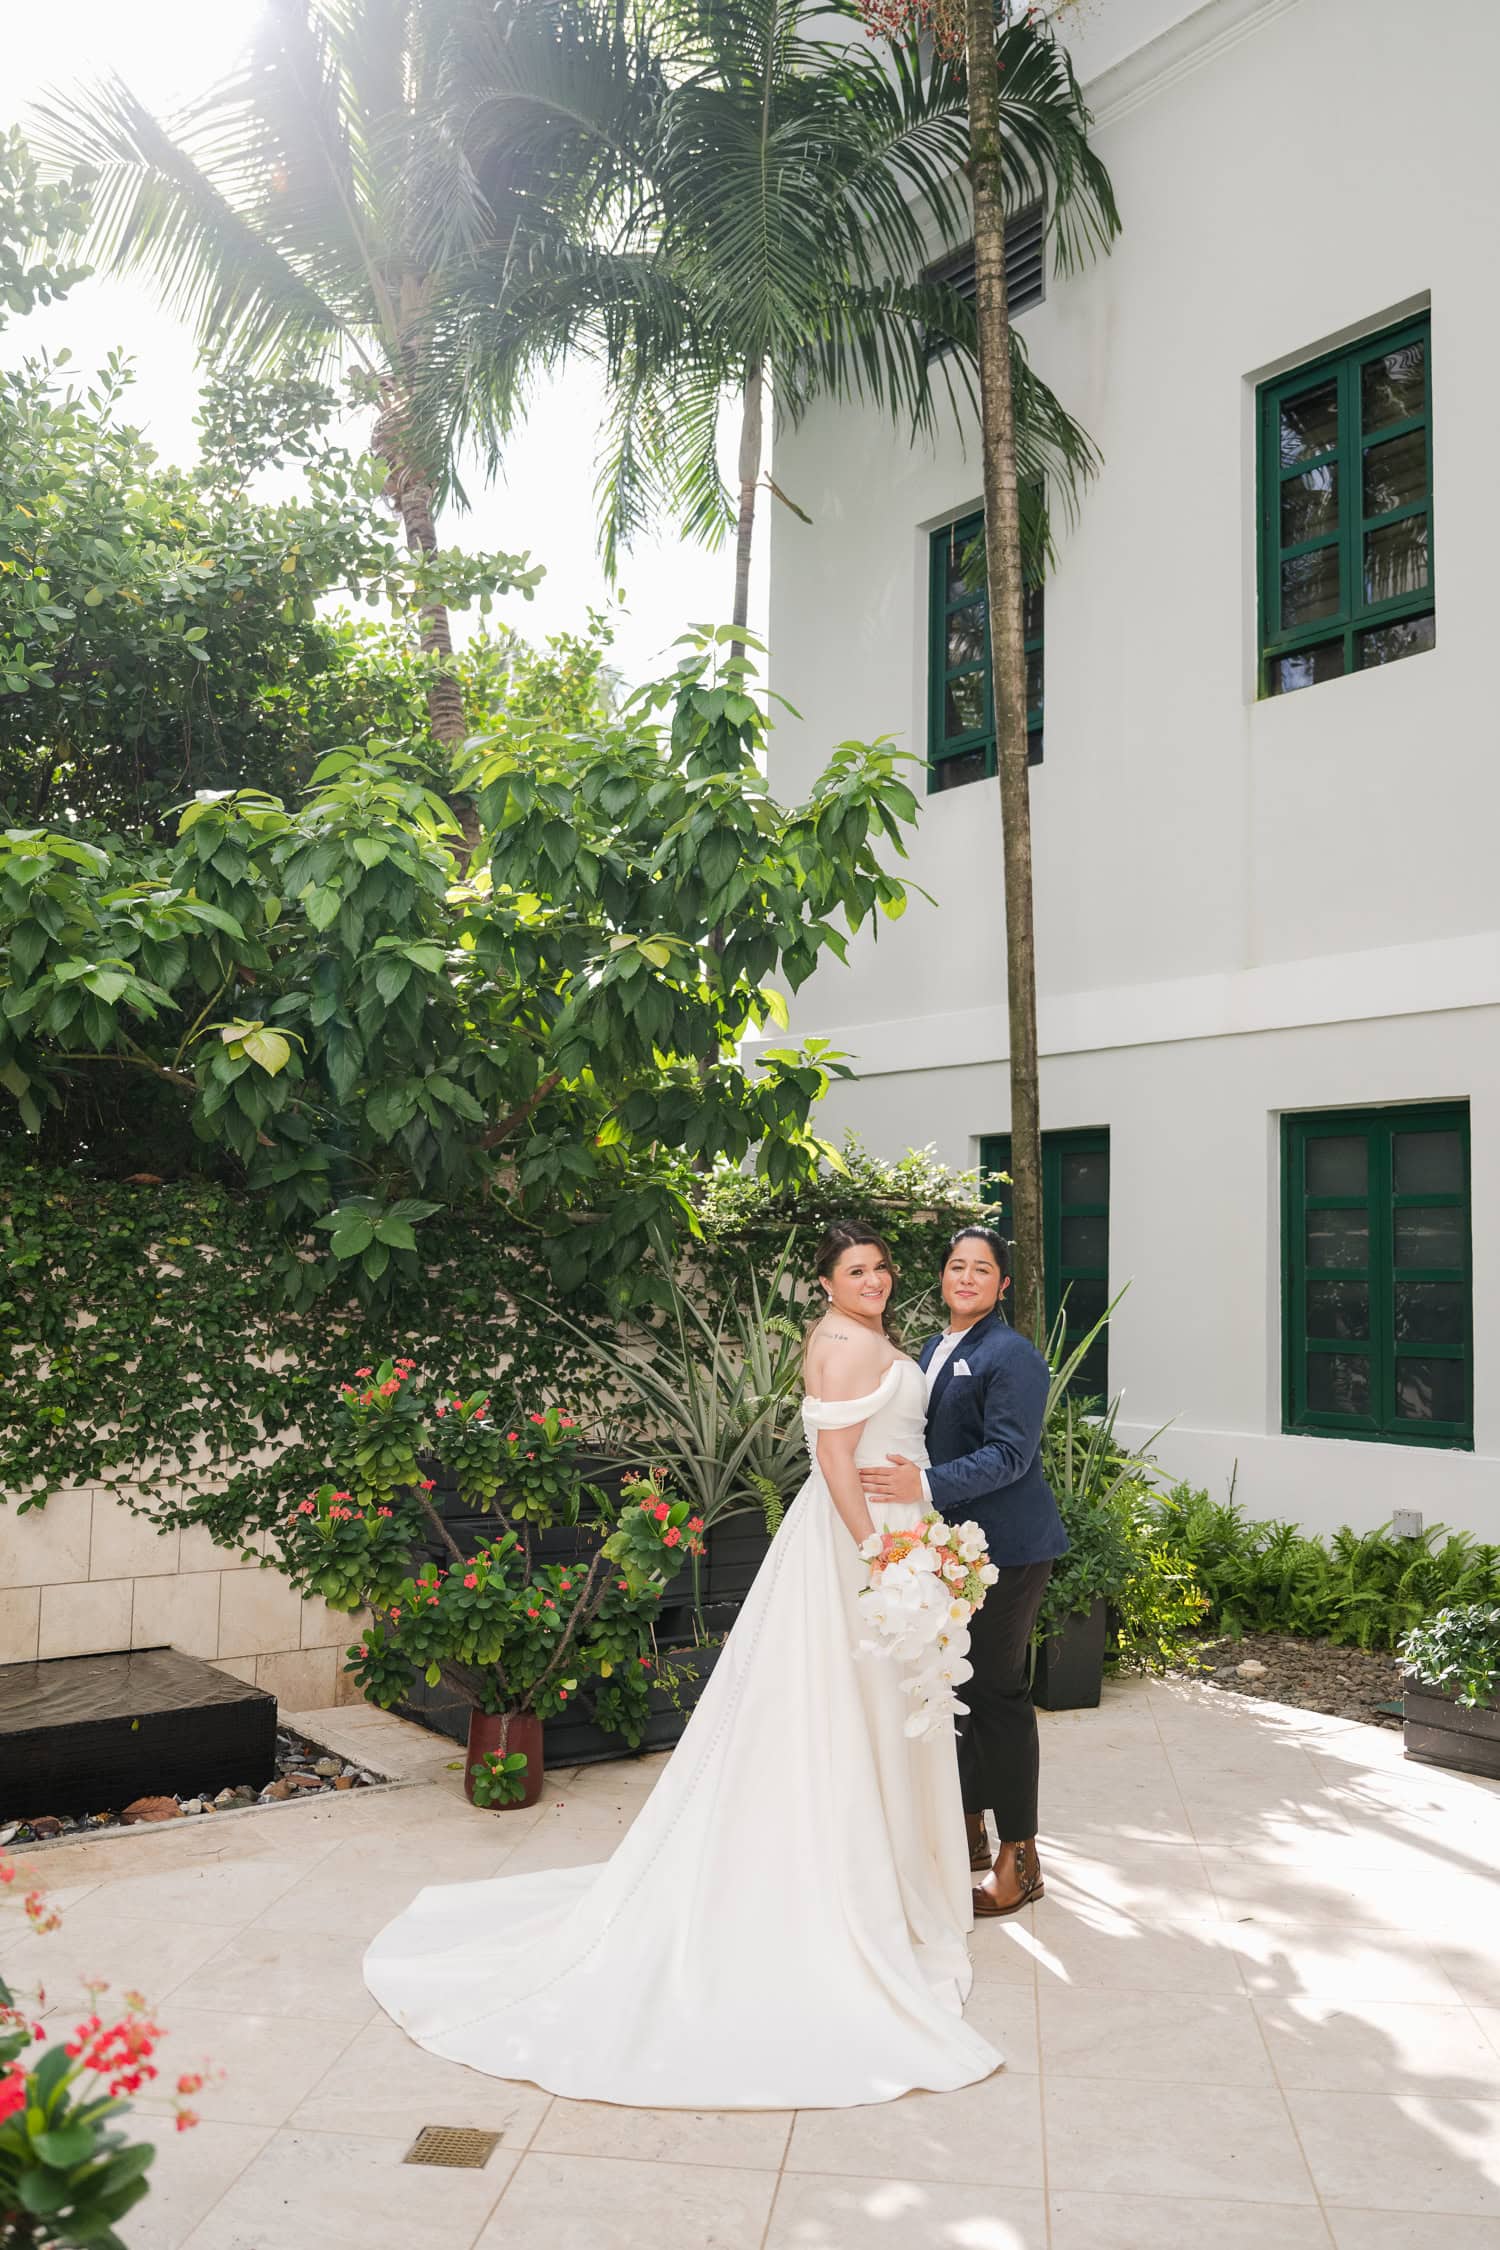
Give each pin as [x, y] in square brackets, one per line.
[567, 1585]
[389, 1390]
[562, 1695]
[307, 1507]
[382, 1511]
[191, 2082]
[395, 1616]
[536, 1417]
[644, 1662]
[471, 1581]
[533, 1613]
[567, 1422]
[672, 1538]
[549, 1603]
[442, 1410]
[363, 1649]
[479, 1413]
[661, 1511]
[186, 2120]
[364, 1370]
[346, 1386]
[695, 1523]
[427, 1484]
[511, 1436]
[623, 1585]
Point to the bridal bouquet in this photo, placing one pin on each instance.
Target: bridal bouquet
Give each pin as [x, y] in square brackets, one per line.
[925, 1585]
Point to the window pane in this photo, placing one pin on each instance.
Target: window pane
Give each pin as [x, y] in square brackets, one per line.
[1394, 386]
[1307, 667]
[1338, 1164]
[965, 552]
[1430, 1235]
[1432, 1390]
[1034, 746]
[1428, 1163]
[1394, 473]
[964, 704]
[1395, 559]
[1309, 587]
[1339, 1240]
[1310, 504]
[1033, 678]
[1430, 1312]
[1339, 1311]
[1085, 1177]
[1309, 423]
[967, 636]
[1338, 1383]
[1031, 612]
[1085, 1242]
[1388, 643]
[948, 773]
[1087, 1301]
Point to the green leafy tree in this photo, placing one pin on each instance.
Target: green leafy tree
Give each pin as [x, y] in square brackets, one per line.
[161, 630]
[361, 1038]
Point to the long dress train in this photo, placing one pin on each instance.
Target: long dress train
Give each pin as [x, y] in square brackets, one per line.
[784, 1925]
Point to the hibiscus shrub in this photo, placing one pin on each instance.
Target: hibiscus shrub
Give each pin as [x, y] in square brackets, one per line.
[505, 1626]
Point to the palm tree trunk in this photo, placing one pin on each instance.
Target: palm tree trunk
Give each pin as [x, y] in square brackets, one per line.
[1002, 522]
[410, 493]
[752, 431]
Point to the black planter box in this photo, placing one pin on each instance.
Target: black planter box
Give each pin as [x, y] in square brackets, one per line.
[1440, 1731]
[576, 1741]
[1069, 1670]
[92, 1733]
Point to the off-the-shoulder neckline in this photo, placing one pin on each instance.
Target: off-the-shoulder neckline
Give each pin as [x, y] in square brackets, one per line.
[902, 1359]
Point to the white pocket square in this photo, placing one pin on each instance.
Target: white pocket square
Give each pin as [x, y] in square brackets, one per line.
[962, 1367]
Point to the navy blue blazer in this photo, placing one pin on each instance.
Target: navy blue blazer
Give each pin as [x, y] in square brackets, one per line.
[984, 1439]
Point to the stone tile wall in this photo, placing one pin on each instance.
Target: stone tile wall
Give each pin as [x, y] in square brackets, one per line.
[85, 1575]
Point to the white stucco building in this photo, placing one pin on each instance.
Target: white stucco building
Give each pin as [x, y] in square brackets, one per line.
[1268, 922]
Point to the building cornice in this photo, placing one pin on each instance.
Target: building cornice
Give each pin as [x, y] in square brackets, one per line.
[1200, 38]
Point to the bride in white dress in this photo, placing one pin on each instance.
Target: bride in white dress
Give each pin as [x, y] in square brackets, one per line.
[784, 1926]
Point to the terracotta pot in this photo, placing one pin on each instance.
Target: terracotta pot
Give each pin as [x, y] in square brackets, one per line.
[503, 1732]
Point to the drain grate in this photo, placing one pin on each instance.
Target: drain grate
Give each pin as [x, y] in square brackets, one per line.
[460, 2145]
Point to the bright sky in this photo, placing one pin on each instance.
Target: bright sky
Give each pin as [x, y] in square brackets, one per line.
[169, 50]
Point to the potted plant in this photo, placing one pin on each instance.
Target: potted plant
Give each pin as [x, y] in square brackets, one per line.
[1452, 1715]
[513, 1635]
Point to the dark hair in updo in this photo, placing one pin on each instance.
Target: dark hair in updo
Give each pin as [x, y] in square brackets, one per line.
[996, 1245]
[853, 1234]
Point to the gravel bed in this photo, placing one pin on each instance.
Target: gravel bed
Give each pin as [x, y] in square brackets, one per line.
[303, 1769]
[1349, 1683]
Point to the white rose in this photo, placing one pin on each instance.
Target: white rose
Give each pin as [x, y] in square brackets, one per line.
[988, 1574]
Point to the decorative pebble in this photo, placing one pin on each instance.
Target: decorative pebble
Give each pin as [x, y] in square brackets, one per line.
[48, 1825]
[1251, 1669]
[145, 1809]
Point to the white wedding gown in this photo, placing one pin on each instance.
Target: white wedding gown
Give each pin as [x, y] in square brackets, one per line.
[784, 1925]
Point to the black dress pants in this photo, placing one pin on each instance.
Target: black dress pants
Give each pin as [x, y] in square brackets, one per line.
[998, 1755]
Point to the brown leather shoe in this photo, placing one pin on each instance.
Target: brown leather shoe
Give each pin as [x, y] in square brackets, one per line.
[1020, 1883]
[979, 1841]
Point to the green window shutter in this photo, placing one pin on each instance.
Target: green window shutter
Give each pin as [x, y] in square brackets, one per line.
[961, 702]
[1075, 1223]
[1344, 517]
[1377, 1298]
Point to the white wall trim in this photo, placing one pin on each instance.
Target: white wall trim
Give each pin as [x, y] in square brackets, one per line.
[1439, 977]
[1199, 39]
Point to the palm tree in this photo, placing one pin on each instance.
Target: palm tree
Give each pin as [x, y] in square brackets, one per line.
[287, 216]
[1028, 133]
[774, 202]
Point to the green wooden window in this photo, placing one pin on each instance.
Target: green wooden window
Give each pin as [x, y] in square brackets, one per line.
[1075, 1234]
[1346, 560]
[961, 716]
[1377, 1302]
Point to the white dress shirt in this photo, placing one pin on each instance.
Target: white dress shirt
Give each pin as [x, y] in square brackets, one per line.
[947, 1345]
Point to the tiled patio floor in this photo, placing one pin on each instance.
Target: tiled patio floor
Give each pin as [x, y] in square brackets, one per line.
[1259, 2009]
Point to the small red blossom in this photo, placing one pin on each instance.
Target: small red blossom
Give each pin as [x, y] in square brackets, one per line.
[186, 2120]
[395, 1616]
[533, 1613]
[428, 1484]
[346, 1386]
[695, 1523]
[382, 1511]
[567, 1585]
[644, 1663]
[549, 1603]
[470, 1580]
[307, 1507]
[661, 1511]
[672, 1538]
[442, 1410]
[512, 1437]
[389, 1390]
[539, 1419]
[364, 1370]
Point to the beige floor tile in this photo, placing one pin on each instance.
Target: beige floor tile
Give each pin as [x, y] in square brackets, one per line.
[347, 2191]
[983, 2136]
[191, 2172]
[229, 1891]
[1159, 1884]
[604, 2203]
[1121, 1953]
[152, 1958]
[1234, 2143]
[1406, 2230]
[755, 2139]
[1402, 2152]
[1211, 2039]
[262, 2065]
[813, 2212]
[1377, 1965]
[383, 2082]
[1169, 2222]
[1005, 2014]
[1473, 1972]
[357, 1889]
[284, 1973]
[1365, 2047]
[1005, 1952]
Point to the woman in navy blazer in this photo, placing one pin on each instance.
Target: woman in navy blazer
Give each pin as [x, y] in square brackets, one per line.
[986, 1404]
